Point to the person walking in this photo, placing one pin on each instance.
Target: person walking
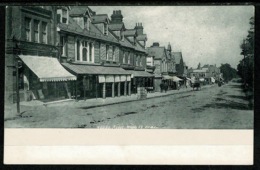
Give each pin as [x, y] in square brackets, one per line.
[162, 87]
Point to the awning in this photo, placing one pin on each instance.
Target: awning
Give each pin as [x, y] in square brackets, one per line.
[167, 77]
[176, 79]
[140, 74]
[94, 69]
[47, 68]
[202, 79]
[188, 79]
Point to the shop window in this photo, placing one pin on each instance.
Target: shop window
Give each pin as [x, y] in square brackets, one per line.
[28, 29]
[36, 31]
[44, 32]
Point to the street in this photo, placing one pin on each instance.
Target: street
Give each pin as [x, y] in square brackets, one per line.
[214, 107]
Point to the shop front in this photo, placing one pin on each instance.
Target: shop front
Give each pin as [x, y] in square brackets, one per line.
[96, 81]
[44, 79]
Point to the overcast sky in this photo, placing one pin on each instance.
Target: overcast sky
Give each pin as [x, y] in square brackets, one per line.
[205, 34]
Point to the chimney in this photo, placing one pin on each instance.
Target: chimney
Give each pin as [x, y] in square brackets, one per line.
[116, 17]
[139, 29]
[155, 44]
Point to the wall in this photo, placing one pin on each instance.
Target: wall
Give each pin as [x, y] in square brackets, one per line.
[157, 64]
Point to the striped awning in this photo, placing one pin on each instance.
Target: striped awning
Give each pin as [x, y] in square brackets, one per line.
[47, 69]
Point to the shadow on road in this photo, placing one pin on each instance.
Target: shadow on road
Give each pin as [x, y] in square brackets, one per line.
[233, 105]
[235, 86]
[238, 97]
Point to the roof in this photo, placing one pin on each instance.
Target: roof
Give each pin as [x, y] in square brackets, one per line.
[46, 68]
[130, 32]
[157, 52]
[142, 37]
[203, 70]
[126, 43]
[116, 27]
[79, 10]
[140, 74]
[93, 69]
[138, 47]
[94, 32]
[100, 18]
[177, 57]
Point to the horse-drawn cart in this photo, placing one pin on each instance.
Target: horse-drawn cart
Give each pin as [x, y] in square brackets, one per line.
[196, 85]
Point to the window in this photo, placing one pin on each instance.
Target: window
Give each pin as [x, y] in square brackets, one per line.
[78, 50]
[141, 63]
[64, 16]
[105, 29]
[90, 51]
[63, 43]
[44, 32]
[113, 53]
[137, 60]
[28, 29]
[129, 57]
[36, 31]
[107, 48]
[123, 57]
[86, 23]
[84, 50]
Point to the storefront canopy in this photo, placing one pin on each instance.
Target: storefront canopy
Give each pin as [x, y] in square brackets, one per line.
[94, 69]
[175, 78]
[167, 77]
[47, 69]
[140, 74]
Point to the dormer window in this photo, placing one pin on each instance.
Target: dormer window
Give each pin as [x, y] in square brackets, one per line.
[63, 15]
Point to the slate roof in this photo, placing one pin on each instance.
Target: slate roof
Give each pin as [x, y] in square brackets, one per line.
[157, 52]
[130, 32]
[177, 57]
[79, 10]
[94, 32]
[100, 18]
[116, 27]
[126, 43]
[142, 37]
[138, 47]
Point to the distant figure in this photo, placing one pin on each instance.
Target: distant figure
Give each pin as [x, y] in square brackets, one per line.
[162, 87]
[165, 87]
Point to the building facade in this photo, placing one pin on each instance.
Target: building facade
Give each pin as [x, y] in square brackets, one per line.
[32, 56]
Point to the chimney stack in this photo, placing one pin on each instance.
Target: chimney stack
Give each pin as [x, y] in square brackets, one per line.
[116, 17]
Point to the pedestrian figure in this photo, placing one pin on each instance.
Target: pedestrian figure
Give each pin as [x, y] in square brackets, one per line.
[162, 87]
[165, 87]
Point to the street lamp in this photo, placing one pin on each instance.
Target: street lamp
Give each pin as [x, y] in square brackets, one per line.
[16, 52]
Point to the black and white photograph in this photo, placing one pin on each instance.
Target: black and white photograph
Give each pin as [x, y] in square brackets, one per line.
[129, 67]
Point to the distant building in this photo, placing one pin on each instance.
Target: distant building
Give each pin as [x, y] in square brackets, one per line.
[179, 64]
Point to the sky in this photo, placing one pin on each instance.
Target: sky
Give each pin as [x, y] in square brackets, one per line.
[204, 34]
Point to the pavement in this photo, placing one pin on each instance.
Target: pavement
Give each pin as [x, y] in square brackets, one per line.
[11, 110]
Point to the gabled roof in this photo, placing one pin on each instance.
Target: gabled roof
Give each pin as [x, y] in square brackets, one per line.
[80, 11]
[138, 47]
[127, 43]
[130, 32]
[116, 27]
[157, 52]
[142, 37]
[100, 18]
[93, 31]
[177, 57]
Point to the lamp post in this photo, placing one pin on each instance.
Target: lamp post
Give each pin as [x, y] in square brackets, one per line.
[16, 52]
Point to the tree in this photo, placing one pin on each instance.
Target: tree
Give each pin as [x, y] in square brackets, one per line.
[246, 65]
[228, 72]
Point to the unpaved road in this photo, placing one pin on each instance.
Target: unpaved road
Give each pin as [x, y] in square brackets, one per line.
[211, 108]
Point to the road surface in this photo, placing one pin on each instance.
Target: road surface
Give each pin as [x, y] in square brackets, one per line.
[214, 107]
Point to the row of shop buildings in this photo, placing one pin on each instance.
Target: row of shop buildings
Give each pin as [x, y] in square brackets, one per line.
[61, 52]
[71, 52]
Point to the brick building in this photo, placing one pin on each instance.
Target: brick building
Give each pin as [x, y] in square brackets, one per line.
[31, 45]
[91, 52]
